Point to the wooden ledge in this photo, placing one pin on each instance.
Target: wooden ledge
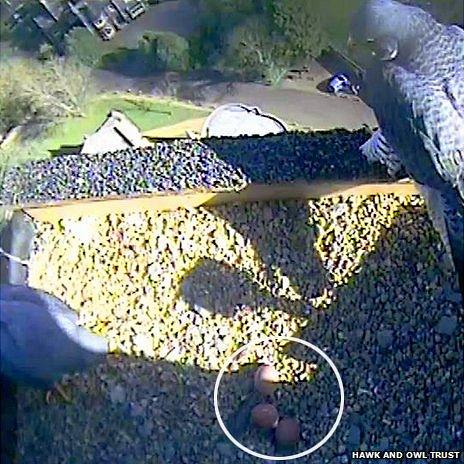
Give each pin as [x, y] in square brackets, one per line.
[53, 212]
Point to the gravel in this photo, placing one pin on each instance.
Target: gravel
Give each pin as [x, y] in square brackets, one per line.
[226, 164]
[447, 325]
[343, 277]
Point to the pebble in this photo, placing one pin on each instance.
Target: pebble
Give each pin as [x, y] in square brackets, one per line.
[354, 435]
[146, 430]
[117, 394]
[453, 297]
[136, 410]
[226, 449]
[385, 338]
[446, 325]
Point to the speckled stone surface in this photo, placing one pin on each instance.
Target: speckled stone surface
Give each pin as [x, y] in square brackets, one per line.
[226, 164]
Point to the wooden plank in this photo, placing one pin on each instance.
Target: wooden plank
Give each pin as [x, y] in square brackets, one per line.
[255, 192]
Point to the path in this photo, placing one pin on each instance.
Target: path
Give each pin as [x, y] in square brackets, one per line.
[296, 102]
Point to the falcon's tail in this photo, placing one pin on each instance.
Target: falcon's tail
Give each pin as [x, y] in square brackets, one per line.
[447, 216]
[454, 216]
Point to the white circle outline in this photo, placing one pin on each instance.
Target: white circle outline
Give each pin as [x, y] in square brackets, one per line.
[294, 456]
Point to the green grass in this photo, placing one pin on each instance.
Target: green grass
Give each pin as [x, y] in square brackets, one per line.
[146, 113]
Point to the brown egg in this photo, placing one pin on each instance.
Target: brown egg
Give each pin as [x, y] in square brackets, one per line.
[287, 431]
[265, 416]
[266, 380]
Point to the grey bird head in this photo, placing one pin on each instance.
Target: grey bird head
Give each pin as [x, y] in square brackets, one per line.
[40, 340]
[387, 29]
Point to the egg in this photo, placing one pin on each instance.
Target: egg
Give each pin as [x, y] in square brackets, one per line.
[287, 432]
[265, 416]
[266, 380]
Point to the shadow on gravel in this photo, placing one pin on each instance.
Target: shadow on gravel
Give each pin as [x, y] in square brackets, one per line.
[393, 332]
[284, 246]
[294, 156]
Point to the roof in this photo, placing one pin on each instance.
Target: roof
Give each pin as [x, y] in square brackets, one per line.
[116, 133]
[235, 119]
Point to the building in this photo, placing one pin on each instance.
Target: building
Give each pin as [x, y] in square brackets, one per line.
[106, 18]
[118, 132]
[236, 119]
[55, 18]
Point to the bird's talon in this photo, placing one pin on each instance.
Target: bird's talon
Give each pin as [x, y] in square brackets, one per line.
[60, 391]
[63, 394]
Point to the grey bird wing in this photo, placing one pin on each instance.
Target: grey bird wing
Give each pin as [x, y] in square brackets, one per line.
[461, 181]
[40, 345]
[436, 208]
[25, 293]
[64, 317]
[421, 118]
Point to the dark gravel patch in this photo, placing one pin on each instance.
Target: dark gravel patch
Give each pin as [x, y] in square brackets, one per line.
[185, 165]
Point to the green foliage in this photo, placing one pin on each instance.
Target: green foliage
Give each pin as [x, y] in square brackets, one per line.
[173, 52]
[301, 29]
[335, 17]
[19, 152]
[257, 38]
[252, 50]
[5, 31]
[31, 91]
[14, 106]
[165, 51]
[125, 61]
[218, 19]
[26, 37]
[85, 47]
[157, 51]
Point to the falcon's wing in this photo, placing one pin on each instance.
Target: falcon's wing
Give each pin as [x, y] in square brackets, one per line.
[44, 340]
[421, 117]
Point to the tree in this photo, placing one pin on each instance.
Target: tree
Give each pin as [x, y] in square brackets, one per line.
[46, 52]
[165, 50]
[218, 20]
[15, 107]
[31, 91]
[257, 37]
[300, 26]
[87, 48]
[254, 51]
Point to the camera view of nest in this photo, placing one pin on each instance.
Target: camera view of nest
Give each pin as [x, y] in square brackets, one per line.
[177, 293]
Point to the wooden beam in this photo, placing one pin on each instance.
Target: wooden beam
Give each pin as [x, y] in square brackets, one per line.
[53, 212]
